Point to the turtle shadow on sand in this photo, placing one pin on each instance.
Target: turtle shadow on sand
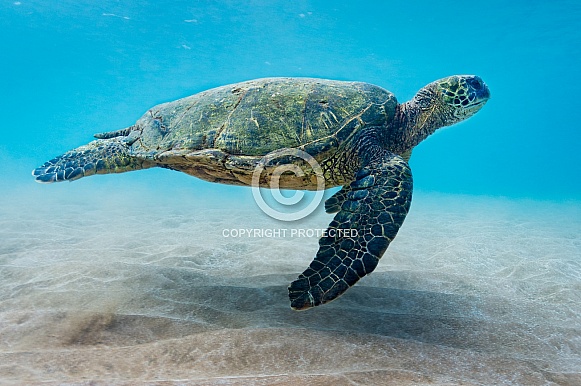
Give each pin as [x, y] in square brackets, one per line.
[464, 322]
[179, 303]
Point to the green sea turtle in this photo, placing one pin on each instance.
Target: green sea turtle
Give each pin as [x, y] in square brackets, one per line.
[357, 132]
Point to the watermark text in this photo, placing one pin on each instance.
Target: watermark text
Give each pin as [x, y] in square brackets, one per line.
[287, 232]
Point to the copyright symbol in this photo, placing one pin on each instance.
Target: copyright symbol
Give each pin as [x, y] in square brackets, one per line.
[274, 173]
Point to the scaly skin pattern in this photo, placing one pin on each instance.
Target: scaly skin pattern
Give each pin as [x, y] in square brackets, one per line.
[97, 157]
[357, 132]
[372, 209]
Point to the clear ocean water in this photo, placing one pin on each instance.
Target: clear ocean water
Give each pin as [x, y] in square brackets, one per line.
[128, 278]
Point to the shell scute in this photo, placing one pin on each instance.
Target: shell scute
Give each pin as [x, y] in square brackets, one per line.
[256, 117]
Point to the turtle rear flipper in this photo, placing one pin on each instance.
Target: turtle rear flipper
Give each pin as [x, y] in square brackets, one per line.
[102, 156]
[374, 207]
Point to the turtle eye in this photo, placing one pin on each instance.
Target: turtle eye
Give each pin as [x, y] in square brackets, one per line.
[476, 83]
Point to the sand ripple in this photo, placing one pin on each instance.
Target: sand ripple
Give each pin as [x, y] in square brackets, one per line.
[98, 288]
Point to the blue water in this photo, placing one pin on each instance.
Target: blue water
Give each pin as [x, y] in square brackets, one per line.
[71, 69]
[129, 278]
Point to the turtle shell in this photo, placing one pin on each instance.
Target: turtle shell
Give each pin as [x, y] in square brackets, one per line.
[256, 117]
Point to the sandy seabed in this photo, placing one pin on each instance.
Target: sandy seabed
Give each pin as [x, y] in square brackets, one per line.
[125, 288]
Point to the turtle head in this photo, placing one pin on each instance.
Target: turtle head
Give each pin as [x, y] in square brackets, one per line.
[454, 98]
[441, 103]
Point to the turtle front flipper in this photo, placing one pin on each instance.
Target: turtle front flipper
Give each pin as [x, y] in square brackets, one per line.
[102, 156]
[375, 206]
[333, 203]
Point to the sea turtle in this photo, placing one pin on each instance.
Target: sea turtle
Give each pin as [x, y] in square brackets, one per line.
[357, 132]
